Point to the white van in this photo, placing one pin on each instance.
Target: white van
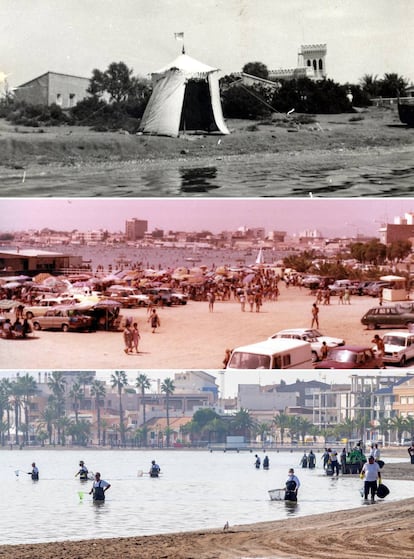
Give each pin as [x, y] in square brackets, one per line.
[279, 353]
[398, 347]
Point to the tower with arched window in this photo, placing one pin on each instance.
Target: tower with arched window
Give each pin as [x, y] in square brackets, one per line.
[313, 57]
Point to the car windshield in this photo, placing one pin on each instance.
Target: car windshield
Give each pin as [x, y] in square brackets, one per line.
[394, 340]
[314, 333]
[245, 360]
[343, 355]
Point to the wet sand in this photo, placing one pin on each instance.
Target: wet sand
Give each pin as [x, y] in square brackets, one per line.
[383, 530]
[190, 337]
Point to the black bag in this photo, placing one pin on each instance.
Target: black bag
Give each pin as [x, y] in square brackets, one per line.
[412, 458]
[382, 491]
[380, 463]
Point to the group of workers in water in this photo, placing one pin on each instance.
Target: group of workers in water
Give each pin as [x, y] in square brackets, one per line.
[368, 470]
[99, 485]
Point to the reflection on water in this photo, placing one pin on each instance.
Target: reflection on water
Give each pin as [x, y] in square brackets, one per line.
[198, 179]
[197, 490]
[386, 175]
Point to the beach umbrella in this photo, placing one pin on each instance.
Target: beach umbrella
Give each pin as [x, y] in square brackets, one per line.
[11, 284]
[249, 278]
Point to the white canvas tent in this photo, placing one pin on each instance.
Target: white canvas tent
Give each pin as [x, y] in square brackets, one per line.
[185, 97]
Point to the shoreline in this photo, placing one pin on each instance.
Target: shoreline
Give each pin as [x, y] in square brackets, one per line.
[373, 130]
[360, 533]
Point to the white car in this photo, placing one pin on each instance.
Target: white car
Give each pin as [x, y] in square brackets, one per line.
[311, 335]
[398, 347]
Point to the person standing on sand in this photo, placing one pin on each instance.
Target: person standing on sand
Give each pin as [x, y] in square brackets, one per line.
[154, 320]
[135, 337]
[211, 298]
[227, 355]
[242, 300]
[347, 296]
[380, 350]
[127, 333]
[315, 316]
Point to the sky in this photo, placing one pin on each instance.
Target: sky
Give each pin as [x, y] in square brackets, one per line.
[333, 216]
[76, 36]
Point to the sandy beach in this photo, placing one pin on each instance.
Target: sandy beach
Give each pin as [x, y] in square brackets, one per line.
[371, 138]
[190, 337]
[384, 530]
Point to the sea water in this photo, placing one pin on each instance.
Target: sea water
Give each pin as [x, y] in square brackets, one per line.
[197, 490]
[389, 174]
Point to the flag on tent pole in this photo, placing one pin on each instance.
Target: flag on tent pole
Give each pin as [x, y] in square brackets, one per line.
[180, 37]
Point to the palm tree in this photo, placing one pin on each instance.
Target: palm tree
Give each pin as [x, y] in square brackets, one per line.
[400, 425]
[393, 85]
[243, 423]
[168, 388]
[85, 378]
[282, 422]
[262, 430]
[28, 388]
[119, 380]
[370, 84]
[57, 385]
[143, 382]
[5, 393]
[77, 394]
[384, 427]
[98, 391]
[16, 396]
[47, 421]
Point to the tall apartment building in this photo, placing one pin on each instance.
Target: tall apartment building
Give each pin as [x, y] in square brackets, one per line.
[135, 229]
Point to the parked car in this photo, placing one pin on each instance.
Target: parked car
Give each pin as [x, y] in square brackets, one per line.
[38, 309]
[374, 288]
[63, 318]
[340, 285]
[389, 316]
[178, 298]
[398, 347]
[349, 357]
[160, 295]
[311, 335]
[129, 297]
[313, 282]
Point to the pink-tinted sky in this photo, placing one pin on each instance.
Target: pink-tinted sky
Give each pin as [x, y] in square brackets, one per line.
[330, 216]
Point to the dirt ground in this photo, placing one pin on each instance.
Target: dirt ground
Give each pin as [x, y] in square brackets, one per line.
[382, 531]
[190, 337]
[329, 137]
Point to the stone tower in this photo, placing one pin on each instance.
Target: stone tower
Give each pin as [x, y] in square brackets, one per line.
[313, 57]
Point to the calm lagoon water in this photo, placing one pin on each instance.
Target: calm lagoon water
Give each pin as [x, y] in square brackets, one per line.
[388, 175]
[197, 490]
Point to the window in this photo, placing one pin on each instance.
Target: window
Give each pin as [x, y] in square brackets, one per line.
[59, 99]
[320, 64]
[314, 64]
[72, 99]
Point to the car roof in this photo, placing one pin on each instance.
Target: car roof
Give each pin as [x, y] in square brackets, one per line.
[352, 348]
[272, 346]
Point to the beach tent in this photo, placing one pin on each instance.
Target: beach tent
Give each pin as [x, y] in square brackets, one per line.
[185, 97]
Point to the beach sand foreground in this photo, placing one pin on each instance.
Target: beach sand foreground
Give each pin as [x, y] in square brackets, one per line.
[190, 336]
